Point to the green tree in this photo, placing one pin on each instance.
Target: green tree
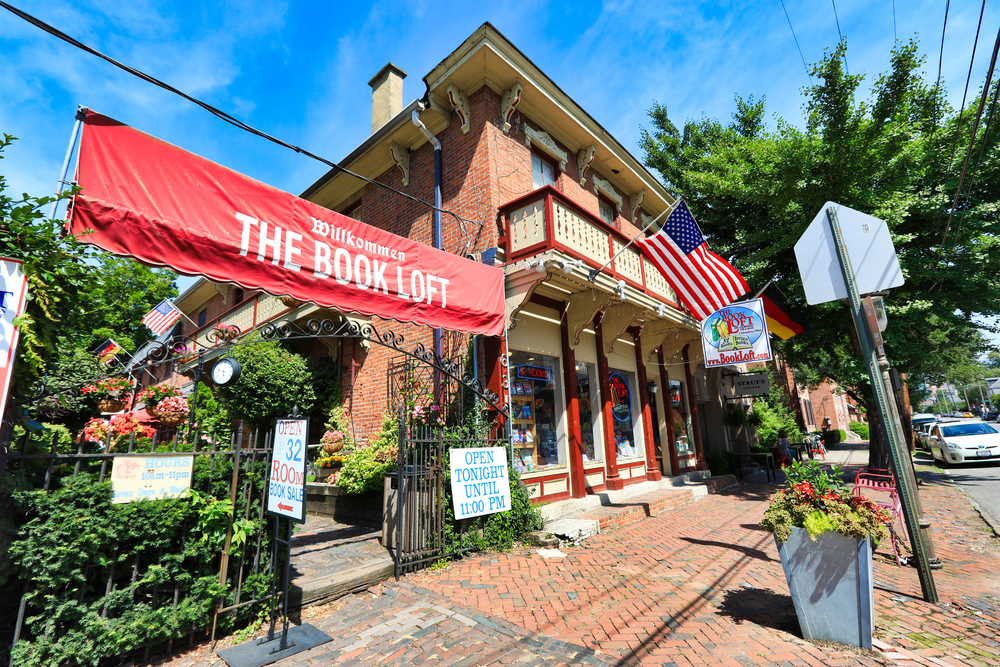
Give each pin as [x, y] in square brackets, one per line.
[273, 381]
[57, 273]
[896, 157]
[124, 292]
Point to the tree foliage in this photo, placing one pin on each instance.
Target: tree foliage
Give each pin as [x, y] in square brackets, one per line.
[896, 156]
[272, 382]
[57, 274]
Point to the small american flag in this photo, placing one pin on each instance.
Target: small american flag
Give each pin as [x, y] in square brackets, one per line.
[703, 281]
[161, 318]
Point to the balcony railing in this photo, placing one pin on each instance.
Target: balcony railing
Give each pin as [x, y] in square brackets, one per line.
[547, 220]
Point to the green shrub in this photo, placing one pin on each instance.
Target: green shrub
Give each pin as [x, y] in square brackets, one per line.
[718, 463]
[364, 469]
[861, 429]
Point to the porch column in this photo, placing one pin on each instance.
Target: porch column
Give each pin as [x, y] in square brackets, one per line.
[695, 426]
[494, 376]
[576, 478]
[612, 481]
[668, 412]
[653, 473]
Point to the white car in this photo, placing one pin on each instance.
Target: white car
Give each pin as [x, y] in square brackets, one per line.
[964, 442]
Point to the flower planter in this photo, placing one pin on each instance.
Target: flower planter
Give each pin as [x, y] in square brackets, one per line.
[152, 411]
[830, 580]
[323, 473]
[172, 418]
[111, 404]
[290, 302]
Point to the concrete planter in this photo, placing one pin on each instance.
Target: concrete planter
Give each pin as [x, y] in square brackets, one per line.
[830, 580]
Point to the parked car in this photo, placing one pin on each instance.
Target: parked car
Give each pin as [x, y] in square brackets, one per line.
[990, 416]
[921, 435]
[968, 415]
[964, 442]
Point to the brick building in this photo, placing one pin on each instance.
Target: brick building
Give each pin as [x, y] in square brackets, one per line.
[606, 387]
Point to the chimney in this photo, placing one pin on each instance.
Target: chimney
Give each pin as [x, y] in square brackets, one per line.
[387, 95]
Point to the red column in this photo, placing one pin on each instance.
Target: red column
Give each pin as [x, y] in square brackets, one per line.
[668, 412]
[695, 425]
[495, 375]
[577, 484]
[652, 472]
[612, 480]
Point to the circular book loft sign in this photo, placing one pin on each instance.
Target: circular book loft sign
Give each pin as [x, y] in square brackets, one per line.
[621, 398]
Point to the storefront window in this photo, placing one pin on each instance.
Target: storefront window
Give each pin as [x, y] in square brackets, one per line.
[678, 402]
[586, 385]
[625, 414]
[536, 412]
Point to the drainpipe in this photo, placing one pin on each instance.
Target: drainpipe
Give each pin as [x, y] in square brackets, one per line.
[438, 338]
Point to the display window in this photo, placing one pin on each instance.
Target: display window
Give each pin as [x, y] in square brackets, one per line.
[625, 414]
[536, 412]
[678, 403]
[589, 402]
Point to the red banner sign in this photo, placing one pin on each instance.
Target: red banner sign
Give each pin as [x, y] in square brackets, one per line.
[147, 199]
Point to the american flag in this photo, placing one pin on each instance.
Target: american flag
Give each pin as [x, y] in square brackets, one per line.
[704, 282]
[161, 318]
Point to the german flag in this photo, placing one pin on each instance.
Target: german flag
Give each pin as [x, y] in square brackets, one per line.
[107, 351]
[782, 320]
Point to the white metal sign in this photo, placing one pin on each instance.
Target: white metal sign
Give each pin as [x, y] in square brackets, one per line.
[869, 246]
[13, 295]
[286, 489]
[736, 334]
[150, 477]
[755, 384]
[479, 482]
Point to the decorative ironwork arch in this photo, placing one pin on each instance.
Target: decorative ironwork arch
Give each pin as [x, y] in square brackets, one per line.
[186, 349]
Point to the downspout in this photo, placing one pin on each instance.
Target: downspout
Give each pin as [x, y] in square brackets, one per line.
[438, 243]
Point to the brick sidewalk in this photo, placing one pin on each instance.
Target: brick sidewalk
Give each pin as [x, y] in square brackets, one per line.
[703, 585]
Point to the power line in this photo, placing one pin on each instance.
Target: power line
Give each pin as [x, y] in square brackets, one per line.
[806, 67]
[968, 79]
[944, 28]
[894, 37]
[972, 141]
[841, 35]
[214, 111]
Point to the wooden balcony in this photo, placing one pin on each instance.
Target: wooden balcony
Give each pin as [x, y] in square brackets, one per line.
[546, 220]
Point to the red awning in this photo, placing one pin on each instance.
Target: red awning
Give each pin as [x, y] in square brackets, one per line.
[144, 198]
[144, 416]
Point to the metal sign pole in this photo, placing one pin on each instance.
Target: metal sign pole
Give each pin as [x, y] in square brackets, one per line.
[892, 428]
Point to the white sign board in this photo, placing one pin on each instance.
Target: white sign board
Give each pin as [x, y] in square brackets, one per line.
[479, 482]
[736, 334]
[150, 477]
[286, 489]
[13, 295]
[869, 246]
[755, 384]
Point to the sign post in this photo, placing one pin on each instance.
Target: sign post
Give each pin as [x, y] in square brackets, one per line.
[888, 417]
[286, 499]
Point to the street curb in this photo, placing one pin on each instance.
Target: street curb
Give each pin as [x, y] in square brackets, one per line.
[983, 514]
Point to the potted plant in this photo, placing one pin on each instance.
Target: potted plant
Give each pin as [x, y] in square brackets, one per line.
[112, 393]
[825, 537]
[173, 410]
[152, 396]
[118, 428]
[331, 444]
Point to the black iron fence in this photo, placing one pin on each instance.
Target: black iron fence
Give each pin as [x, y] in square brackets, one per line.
[418, 494]
[162, 574]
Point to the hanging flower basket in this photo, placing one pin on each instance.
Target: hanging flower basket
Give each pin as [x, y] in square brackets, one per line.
[172, 418]
[291, 301]
[152, 411]
[111, 404]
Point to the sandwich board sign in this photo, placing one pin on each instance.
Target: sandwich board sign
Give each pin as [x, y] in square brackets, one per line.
[286, 488]
[869, 246]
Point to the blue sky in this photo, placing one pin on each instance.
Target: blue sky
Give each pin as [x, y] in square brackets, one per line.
[300, 70]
